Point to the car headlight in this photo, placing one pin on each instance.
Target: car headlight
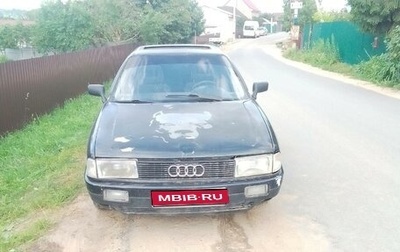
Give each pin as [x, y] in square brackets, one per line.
[111, 168]
[257, 165]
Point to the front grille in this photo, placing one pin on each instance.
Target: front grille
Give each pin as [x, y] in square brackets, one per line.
[158, 169]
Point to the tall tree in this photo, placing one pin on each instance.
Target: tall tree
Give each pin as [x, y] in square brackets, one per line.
[196, 19]
[14, 36]
[8, 37]
[63, 27]
[323, 16]
[377, 17]
[171, 21]
[152, 26]
[23, 34]
[287, 18]
[114, 21]
[307, 12]
[155, 4]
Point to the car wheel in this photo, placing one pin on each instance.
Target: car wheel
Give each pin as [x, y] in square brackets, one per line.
[101, 206]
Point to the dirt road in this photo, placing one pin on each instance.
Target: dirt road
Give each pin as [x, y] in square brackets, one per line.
[265, 228]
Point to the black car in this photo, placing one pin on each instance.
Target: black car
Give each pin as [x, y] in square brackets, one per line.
[180, 133]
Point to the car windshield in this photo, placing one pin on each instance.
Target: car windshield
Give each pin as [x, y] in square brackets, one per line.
[177, 77]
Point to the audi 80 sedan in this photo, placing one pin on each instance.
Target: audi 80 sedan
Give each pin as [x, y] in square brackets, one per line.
[180, 133]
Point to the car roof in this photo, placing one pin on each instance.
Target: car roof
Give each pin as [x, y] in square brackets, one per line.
[177, 49]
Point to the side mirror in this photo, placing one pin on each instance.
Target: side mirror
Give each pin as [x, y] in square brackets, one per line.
[259, 87]
[97, 90]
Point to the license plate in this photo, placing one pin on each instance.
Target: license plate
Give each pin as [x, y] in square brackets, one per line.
[190, 197]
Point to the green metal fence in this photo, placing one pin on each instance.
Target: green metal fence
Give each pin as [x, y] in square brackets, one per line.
[353, 45]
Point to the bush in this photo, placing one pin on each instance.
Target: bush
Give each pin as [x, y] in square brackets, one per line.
[385, 68]
[393, 43]
[321, 54]
[380, 69]
[375, 69]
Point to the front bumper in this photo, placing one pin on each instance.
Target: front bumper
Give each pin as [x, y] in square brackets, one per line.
[140, 193]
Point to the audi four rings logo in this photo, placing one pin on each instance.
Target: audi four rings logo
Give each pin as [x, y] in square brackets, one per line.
[186, 170]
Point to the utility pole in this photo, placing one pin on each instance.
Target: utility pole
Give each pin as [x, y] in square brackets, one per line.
[271, 23]
[295, 30]
[195, 33]
[234, 20]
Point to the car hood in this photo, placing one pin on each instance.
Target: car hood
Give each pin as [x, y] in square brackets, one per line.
[179, 130]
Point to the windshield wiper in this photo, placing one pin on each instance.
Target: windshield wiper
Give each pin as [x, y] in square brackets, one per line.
[195, 97]
[132, 101]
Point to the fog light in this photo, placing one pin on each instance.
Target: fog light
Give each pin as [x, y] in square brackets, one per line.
[256, 191]
[116, 195]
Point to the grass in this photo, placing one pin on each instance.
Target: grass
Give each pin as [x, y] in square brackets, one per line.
[325, 56]
[35, 230]
[381, 70]
[317, 60]
[41, 168]
[322, 54]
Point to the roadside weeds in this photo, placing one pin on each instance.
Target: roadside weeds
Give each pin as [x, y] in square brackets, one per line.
[277, 53]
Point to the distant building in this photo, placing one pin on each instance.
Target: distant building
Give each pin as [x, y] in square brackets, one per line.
[219, 25]
[246, 7]
[219, 21]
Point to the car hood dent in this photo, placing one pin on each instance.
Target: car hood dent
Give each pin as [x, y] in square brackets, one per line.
[179, 130]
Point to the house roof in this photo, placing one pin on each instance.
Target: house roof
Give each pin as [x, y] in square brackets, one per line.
[249, 4]
[229, 9]
[224, 11]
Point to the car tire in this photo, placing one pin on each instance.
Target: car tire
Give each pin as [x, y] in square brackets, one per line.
[102, 207]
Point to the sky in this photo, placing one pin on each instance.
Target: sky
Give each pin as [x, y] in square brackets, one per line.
[20, 4]
[263, 5]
